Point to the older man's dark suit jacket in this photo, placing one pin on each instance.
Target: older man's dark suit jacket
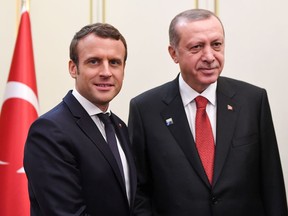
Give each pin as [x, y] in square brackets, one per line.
[70, 168]
[248, 178]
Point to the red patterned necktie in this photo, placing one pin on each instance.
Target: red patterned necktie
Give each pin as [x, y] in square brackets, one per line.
[204, 137]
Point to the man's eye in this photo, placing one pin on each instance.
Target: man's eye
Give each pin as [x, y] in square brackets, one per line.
[217, 45]
[115, 62]
[196, 48]
[94, 61]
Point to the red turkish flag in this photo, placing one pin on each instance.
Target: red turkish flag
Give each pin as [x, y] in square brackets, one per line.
[19, 110]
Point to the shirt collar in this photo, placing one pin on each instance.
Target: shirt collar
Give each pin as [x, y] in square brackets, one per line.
[188, 94]
[90, 108]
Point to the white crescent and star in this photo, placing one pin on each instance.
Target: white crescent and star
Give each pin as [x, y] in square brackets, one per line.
[20, 90]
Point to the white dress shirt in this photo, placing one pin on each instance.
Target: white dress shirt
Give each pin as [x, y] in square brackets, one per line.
[93, 110]
[188, 95]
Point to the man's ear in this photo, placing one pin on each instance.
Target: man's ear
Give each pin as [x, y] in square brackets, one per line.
[173, 54]
[72, 69]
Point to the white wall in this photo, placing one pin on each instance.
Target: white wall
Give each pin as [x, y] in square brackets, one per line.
[256, 48]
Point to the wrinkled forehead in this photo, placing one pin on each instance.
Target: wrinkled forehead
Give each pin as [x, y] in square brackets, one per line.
[200, 24]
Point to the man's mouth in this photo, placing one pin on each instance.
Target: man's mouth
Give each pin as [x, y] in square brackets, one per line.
[104, 85]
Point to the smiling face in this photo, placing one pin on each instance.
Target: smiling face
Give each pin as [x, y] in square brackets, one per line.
[200, 52]
[100, 70]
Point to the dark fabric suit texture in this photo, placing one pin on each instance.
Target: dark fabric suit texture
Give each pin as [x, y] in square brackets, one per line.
[248, 179]
[71, 169]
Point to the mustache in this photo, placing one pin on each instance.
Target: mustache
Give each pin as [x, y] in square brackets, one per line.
[208, 66]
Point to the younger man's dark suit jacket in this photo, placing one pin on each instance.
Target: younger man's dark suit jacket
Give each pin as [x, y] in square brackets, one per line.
[70, 168]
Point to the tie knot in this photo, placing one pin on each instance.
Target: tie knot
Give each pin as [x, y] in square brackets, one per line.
[104, 118]
[201, 102]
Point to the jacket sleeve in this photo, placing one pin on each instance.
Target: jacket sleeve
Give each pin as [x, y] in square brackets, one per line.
[52, 171]
[137, 137]
[272, 182]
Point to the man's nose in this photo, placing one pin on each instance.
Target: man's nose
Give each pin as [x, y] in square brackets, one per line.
[208, 54]
[106, 70]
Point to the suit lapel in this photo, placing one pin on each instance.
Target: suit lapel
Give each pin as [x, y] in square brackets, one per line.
[227, 112]
[87, 125]
[180, 128]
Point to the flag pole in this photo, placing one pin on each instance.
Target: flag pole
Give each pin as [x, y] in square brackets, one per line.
[25, 4]
[20, 5]
[18, 12]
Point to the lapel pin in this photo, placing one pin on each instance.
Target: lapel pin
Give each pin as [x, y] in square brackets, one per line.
[169, 121]
[120, 125]
[229, 107]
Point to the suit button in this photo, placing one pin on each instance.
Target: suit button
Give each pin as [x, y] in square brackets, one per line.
[214, 200]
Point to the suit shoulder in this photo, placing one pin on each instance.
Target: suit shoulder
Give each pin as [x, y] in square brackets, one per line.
[55, 111]
[56, 116]
[240, 85]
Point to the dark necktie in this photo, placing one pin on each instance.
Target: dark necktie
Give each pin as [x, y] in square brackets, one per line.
[204, 137]
[111, 139]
